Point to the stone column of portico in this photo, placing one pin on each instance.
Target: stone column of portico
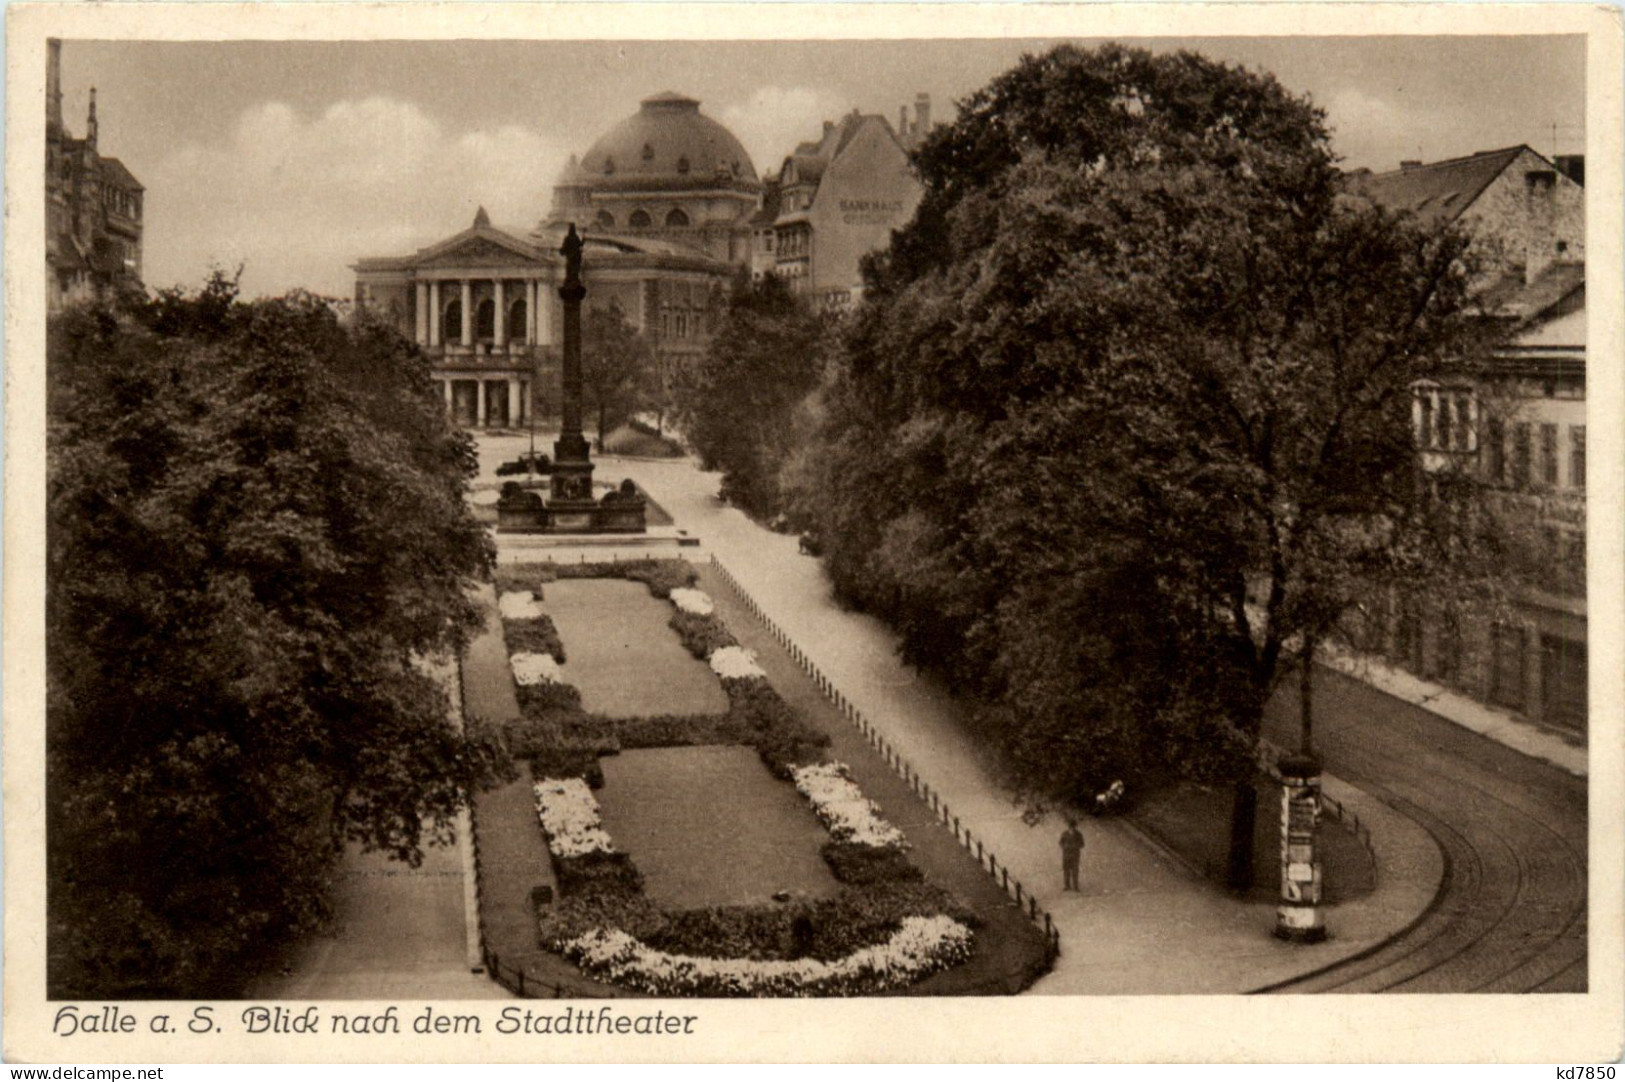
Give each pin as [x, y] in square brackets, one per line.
[514, 412]
[499, 324]
[468, 321]
[479, 403]
[434, 314]
[423, 313]
[530, 311]
[446, 384]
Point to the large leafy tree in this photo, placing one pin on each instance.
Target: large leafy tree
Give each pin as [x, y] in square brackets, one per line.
[256, 528]
[744, 405]
[1124, 430]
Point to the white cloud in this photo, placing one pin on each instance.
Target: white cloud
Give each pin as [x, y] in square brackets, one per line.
[775, 118]
[299, 198]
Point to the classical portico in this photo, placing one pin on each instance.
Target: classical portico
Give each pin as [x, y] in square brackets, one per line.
[484, 307]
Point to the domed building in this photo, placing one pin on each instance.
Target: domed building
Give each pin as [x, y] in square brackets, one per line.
[667, 172]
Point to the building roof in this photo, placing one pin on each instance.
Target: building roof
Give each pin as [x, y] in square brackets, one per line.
[668, 144]
[809, 160]
[114, 172]
[1552, 293]
[1437, 193]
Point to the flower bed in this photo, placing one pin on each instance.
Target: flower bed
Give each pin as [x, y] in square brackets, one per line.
[921, 945]
[886, 928]
[846, 813]
[569, 815]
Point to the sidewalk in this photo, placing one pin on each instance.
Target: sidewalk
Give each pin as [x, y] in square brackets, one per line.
[397, 932]
[1487, 721]
[1142, 923]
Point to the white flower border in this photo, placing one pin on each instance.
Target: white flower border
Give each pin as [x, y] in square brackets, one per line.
[569, 814]
[846, 813]
[695, 602]
[519, 605]
[530, 670]
[920, 946]
[735, 663]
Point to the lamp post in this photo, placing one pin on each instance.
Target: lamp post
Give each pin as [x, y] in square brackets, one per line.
[1299, 917]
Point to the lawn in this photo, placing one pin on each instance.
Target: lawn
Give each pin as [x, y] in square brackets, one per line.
[1194, 821]
[697, 847]
[623, 655]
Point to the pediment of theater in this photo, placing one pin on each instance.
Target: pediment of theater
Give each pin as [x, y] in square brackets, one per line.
[479, 251]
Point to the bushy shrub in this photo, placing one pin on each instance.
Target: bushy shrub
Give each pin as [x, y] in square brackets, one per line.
[780, 737]
[544, 701]
[682, 730]
[660, 576]
[701, 635]
[599, 875]
[537, 636]
[863, 864]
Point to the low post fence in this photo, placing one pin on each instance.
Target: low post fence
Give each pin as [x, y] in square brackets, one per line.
[1023, 899]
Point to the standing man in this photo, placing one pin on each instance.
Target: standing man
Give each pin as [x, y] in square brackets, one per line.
[1071, 850]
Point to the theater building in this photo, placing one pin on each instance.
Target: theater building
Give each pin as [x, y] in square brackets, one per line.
[668, 172]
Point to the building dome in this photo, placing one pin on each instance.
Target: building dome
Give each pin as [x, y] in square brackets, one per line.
[667, 145]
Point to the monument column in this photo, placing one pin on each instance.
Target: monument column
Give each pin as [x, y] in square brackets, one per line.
[572, 461]
[499, 325]
[434, 313]
[468, 319]
[423, 313]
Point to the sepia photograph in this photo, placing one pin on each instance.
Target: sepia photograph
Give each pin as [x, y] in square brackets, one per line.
[996, 522]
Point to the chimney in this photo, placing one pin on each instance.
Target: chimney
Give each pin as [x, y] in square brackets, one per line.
[90, 122]
[53, 86]
[829, 125]
[1410, 163]
[1572, 166]
[922, 113]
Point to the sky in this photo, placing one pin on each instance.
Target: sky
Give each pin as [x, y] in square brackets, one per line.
[295, 159]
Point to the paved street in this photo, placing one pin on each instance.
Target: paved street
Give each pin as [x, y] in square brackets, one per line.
[1137, 908]
[1512, 916]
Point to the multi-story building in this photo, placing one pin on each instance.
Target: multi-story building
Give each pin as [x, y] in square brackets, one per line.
[93, 207]
[836, 199]
[484, 305]
[1518, 422]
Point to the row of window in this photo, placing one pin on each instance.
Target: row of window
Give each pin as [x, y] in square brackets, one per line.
[485, 320]
[122, 202]
[641, 219]
[1516, 463]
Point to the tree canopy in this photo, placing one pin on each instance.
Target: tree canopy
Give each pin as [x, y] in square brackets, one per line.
[1125, 422]
[256, 527]
[617, 367]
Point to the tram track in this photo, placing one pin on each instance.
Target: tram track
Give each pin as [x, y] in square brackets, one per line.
[1510, 912]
